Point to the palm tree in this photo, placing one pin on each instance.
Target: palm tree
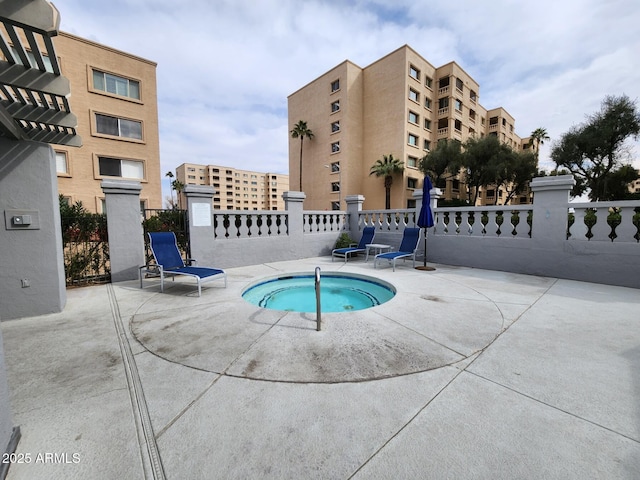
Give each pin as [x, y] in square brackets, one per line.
[387, 167]
[300, 130]
[539, 135]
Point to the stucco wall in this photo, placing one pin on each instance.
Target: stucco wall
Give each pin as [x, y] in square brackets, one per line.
[28, 182]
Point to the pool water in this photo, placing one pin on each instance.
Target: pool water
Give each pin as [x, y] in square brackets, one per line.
[338, 293]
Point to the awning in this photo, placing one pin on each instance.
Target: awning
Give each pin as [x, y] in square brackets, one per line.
[34, 96]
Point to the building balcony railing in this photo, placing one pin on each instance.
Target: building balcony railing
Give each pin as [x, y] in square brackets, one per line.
[443, 132]
[443, 111]
[443, 90]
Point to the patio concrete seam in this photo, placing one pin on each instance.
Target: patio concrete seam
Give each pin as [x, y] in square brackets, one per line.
[151, 462]
[251, 345]
[188, 407]
[546, 404]
[426, 337]
[392, 437]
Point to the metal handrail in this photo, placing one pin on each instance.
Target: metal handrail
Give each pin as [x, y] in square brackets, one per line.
[318, 313]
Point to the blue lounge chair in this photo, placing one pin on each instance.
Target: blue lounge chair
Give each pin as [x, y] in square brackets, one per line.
[408, 248]
[367, 237]
[169, 262]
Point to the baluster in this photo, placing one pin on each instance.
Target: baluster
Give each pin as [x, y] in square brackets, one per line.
[278, 223]
[491, 228]
[226, 222]
[269, 223]
[468, 222]
[579, 230]
[254, 231]
[445, 222]
[601, 230]
[522, 227]
[259, 224]
[626, 230]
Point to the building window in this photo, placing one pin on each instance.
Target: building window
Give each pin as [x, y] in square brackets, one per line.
[457, 125]
[116, 85]
[335, 147]
[411, 203]
[116, 167]
[32, 60]
[413, 95]
[428, 82]
[335, 205]
[414, 72]
[459, 84]
[493, 121]
[335, 106]
[118, 127]
[427, 145]
[335, 167]
[335, 186]
[458, 105]
[335, 127]
[413, 140]
[414, 117]
[443, 103]
[443, 82]
[412, 183]
[473, 96]
[335, 86]
[412, 161]
[427, 124]
[61, 163]
[427, 103]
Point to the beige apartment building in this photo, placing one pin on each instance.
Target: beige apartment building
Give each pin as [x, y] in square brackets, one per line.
[400, 105]
[114, 96]
[236, 189]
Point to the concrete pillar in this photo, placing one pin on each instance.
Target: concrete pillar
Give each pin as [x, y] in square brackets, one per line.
[294, 204]
[201, 230]
[124, 224]
[434, 195]
[31, 262]
[354, 207]
[550, 208]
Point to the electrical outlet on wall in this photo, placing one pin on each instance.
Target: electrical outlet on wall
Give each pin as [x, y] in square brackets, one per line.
[25, 282]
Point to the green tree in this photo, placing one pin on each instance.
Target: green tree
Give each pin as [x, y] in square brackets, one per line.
[387, 167]
[481, 162]
[518, 170]
[437, 163]
[300, 130]
[537, 138]
[595, 150]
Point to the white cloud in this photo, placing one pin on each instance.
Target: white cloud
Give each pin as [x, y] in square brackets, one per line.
[226, 67]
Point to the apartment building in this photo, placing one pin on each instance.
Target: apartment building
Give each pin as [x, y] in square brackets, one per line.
[236, 189]
[114, 96]
[401, 105]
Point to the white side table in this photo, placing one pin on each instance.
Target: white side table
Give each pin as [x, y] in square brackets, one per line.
[377, 248]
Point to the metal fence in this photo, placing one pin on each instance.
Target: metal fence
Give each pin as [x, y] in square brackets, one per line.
[85, 246]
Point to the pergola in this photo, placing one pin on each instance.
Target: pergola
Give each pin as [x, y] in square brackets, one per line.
[34, 96]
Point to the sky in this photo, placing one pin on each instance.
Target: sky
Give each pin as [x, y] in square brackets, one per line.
[226, 67]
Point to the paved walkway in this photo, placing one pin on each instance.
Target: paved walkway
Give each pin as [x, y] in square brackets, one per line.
[465, 374]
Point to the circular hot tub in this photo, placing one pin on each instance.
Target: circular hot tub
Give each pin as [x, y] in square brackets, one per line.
[339, 292]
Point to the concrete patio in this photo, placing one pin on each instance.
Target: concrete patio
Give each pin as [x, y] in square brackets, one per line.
[465, 374]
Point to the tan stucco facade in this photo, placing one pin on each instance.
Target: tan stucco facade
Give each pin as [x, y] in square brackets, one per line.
[80, 179]
[399, 105]
[236, 189]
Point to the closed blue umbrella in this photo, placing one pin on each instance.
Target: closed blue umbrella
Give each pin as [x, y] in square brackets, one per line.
[425, 219]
